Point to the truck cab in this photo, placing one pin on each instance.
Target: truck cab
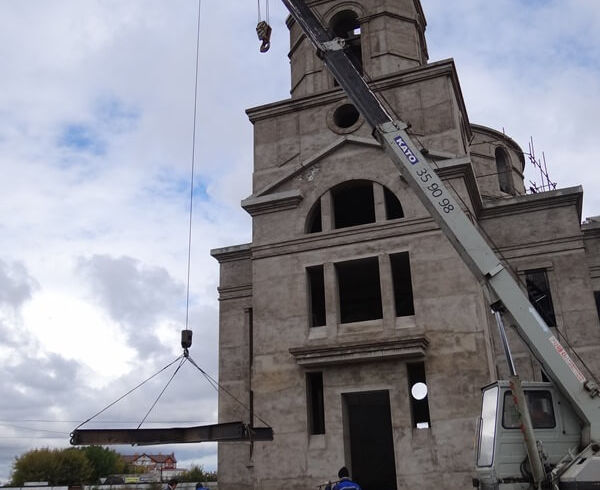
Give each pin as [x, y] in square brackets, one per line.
[501, 459]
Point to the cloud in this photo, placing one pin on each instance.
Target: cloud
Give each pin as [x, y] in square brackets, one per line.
[16, 285]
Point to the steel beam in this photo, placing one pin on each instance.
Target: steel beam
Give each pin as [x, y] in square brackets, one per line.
[227, 432]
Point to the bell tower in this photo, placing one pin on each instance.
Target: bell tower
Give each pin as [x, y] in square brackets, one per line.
[385, 37]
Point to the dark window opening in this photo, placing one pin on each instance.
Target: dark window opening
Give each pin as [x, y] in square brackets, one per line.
[403, 294]
[353, 204]
[316, 291]
[540, 406]
[314, 219]
[345, 116]
[316, 405]
[419, 397]
[503, 169]
[345, 24]
[597, 297]
[359, 290]
[538, 290]
[393, 208]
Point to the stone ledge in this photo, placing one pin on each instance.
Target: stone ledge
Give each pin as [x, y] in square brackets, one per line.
[386, 350]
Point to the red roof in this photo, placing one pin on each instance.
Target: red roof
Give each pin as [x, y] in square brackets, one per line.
[156, 458]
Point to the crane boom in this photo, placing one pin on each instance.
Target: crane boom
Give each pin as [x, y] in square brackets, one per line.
[462, 233]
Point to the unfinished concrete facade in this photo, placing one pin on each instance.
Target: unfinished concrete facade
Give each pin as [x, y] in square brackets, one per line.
[349, 298]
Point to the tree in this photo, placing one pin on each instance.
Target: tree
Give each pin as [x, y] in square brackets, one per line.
[104, 462]
[56, 466]
[197, 474]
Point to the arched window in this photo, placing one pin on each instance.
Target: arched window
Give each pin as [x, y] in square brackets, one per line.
[345, 24]
[313, 224]
[503, 169]
[353, 203]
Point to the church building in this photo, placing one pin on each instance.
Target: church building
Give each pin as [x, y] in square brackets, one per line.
[350, 325]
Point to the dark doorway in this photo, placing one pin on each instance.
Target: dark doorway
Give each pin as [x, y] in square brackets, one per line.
[368, 427]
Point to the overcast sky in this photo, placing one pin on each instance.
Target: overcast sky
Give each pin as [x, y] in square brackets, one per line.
[96, 118]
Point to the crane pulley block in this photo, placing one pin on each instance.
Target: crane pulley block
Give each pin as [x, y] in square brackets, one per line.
[263, 30]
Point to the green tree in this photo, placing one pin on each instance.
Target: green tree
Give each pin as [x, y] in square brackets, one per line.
[197, 474]
[104, 462]
[56, 466]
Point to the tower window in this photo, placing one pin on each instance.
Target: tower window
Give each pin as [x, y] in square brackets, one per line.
[504, 171]
[316, 292]
[597, 297]
[315, 405]
[419, 396]
[393, 208]
[345, 116]
[403, 294]
[359, 290]
[345, 24]
[538, 290]
[353, 204]
[314, 220]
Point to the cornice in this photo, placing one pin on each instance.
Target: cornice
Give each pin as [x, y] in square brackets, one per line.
[570, 196]
[347, 353]
[406, 77]
[591, 228]
[235, 292]
[233, 253]
[271, 203]
[345, 236]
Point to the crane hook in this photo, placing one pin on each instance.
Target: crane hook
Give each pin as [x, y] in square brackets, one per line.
[263, 30]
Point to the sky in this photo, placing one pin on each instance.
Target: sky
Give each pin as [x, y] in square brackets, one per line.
[96, 139]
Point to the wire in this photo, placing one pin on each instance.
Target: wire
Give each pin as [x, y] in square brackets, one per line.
[128, 393]
[189, 257]
[220, 387]
[162, 392]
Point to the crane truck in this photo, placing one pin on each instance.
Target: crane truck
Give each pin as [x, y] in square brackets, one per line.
[558, 446]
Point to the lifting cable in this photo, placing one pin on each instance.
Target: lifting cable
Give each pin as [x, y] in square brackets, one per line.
[128, 393]
[186, 335]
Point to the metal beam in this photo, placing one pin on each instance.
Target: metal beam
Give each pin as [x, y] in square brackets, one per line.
[227, 432]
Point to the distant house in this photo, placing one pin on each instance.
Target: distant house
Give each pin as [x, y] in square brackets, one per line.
[151, 462]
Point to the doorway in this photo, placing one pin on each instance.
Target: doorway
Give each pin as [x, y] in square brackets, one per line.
[369, 440]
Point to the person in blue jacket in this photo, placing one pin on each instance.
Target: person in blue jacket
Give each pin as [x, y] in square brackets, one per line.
[345, 481]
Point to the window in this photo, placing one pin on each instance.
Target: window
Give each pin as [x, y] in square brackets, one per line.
[314, 219]
[540, 410]
[403, 295]
[393, 208]
[359, 290]
[315, 405]
[345, 24]
[419, 404]
[504, 171]
[597, 297]
[316, 292]
[538, 290]
[353, 203]
[345, 116]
